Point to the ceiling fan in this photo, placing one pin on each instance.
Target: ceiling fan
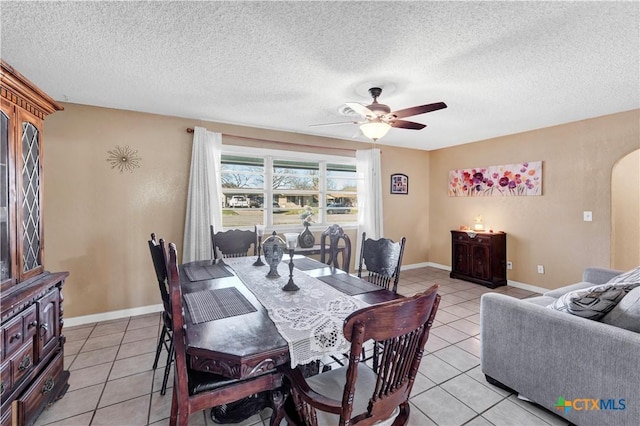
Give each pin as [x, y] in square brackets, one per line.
[379, 118]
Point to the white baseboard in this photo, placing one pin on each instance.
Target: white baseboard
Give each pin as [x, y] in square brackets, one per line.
[528, 287]
[107, 316]
[414, 266]
[511, 283]
[424, 265]
[439, 266]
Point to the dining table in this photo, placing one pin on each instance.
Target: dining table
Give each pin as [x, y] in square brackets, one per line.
[240, 323]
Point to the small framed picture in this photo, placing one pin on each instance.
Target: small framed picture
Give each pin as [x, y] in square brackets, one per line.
[399, 183]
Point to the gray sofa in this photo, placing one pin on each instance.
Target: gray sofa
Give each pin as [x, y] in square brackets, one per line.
[544, 355]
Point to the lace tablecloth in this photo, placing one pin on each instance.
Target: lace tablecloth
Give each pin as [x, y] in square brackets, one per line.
[309, 319]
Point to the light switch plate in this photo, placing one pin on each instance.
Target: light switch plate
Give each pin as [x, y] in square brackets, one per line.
[588, 216]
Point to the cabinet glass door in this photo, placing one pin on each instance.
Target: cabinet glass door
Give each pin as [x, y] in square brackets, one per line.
[5, 242]
[30, 209]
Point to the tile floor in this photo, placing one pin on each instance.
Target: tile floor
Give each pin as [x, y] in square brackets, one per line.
[112, 382]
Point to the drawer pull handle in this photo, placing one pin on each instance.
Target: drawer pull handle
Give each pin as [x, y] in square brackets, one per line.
[32, 324]
[44, 327]
[48, 385]
[25, 363]
[16, 336]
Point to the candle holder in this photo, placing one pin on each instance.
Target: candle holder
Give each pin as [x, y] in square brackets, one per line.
[259, 232]
[292, 241]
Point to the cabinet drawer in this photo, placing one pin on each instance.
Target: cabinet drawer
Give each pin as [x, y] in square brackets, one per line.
[482, 239]
[21, 363]
[30, 322]
[460, 236]
[12, 336]
[39, 394]
[5, 380]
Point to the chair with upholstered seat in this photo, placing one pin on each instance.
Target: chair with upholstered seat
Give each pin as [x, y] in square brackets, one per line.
[382, 259]
[356, 394]
[233, 243]
[193, 390]
[158, 256]
[330, 250]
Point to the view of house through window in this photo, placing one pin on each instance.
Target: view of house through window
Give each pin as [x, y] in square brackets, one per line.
[276, 190]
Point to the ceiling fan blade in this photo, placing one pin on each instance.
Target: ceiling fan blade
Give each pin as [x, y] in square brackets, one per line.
[333, 124]
[362, 110]
[407, 112]
[403, 124]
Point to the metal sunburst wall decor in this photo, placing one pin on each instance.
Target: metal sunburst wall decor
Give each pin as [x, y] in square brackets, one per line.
[124, 159]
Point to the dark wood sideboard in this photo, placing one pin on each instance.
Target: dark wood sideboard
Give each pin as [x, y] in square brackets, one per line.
[479, 257]
[31, 341]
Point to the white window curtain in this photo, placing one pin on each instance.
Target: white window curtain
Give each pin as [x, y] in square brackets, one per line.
[204, 206]
[369, 194]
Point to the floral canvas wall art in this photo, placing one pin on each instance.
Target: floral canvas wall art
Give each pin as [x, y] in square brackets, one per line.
[497, 181]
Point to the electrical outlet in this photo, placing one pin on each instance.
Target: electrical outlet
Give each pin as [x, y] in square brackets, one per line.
[509, 264]
[540, 269]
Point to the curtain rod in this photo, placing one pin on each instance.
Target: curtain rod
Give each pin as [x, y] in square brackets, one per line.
[190, 130]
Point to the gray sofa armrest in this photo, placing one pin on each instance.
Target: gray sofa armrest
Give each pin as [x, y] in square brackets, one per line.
[599, 275]
[544, 354]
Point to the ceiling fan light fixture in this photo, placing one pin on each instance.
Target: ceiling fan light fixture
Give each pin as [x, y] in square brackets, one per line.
[375, 130]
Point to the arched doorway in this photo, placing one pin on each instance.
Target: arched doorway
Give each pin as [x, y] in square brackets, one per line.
[625, 212]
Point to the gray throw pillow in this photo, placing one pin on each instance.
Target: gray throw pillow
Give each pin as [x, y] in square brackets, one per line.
[632, 276]
[626, 314]
[593, 302]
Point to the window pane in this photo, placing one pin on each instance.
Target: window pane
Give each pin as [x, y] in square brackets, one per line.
[342, 177]
[295, 175]
[242, 172]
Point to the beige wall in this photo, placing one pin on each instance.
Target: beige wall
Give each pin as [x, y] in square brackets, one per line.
[625, 212]
[543, 230]
[97, 221]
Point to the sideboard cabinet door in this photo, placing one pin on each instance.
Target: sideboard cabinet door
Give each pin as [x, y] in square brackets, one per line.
[49, 315]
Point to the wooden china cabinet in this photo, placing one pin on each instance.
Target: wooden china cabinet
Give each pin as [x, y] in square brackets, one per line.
[479, 257]
[31, 340]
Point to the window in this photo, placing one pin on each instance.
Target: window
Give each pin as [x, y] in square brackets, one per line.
[271, 187]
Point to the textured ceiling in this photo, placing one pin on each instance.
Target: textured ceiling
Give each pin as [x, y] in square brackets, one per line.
[501, 67]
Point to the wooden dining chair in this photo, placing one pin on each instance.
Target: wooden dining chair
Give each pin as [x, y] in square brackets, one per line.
[193, 390]
[370, 396]
[158, 256]
[233, 243]
[330, 251]
[382, 259]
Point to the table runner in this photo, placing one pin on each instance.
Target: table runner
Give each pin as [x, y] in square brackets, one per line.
[310, 319]
[349, 284]
[197, 272]
[209, 305]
